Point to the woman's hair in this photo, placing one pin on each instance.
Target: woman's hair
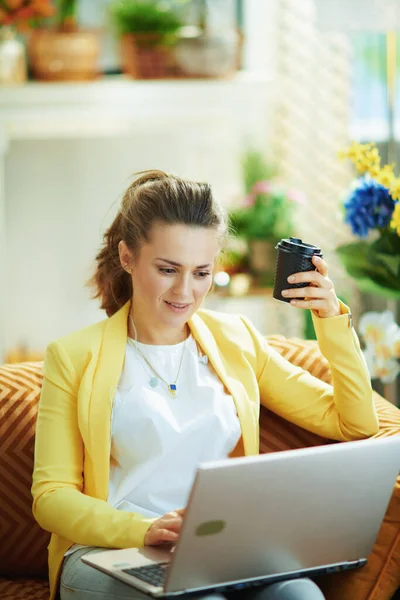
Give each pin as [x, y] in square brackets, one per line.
[153, 197]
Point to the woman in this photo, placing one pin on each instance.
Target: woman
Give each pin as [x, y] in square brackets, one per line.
[132, 404]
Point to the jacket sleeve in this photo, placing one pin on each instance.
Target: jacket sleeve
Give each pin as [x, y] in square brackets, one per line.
[59, 502]
[343, 411]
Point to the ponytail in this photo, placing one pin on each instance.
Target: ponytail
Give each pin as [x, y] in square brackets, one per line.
[112, 284]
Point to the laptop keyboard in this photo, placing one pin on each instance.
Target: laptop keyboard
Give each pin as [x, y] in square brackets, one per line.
[153, 574]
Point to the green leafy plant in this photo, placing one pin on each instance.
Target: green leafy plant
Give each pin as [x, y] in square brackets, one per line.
[132, 16]
[266, 212]
[67, 13]
[374, 265]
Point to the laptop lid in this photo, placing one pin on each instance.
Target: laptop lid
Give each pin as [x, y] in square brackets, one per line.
[285, 512]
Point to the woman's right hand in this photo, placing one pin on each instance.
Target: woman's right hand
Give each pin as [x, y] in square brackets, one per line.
[166, 529]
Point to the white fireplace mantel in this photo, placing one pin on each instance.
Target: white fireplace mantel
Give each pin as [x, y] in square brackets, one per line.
[114, 107]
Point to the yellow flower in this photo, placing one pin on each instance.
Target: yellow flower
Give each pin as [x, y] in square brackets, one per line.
[354, 150]
[374, 171]
[395, 188]
[364, 156]
[373, 154]
[372, 157]
[385, 176]
[361, 165]
[364, 165]
[395, 222]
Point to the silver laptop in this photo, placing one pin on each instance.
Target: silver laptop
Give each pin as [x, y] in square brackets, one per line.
[257, 520]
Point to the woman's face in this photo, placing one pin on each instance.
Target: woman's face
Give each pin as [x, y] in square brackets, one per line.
[173, 273]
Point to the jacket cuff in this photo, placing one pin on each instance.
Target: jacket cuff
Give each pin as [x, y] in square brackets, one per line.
[335, 329]
[139, 530]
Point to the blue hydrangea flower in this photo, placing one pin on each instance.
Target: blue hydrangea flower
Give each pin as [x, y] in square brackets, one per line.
[369, 206]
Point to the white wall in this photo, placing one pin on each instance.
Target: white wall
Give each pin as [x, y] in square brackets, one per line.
[60, 195]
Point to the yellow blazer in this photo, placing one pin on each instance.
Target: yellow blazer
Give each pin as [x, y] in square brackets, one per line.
[82, 370]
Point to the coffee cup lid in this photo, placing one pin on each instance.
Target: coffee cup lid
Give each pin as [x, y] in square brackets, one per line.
[294, 244]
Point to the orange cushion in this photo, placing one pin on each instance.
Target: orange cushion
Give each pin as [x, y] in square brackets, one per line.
[23, 548]
[380, 578]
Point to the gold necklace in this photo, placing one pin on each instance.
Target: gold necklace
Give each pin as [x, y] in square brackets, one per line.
[172, 387]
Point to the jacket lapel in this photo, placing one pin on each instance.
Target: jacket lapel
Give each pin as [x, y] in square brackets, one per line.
[231, 376]
[108, 370]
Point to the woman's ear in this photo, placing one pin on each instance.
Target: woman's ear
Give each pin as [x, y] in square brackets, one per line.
[125, 256]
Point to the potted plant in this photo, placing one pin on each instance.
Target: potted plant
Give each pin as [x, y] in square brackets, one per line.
[265, 215]
[17, 16]
[148, 31]
[64, 51]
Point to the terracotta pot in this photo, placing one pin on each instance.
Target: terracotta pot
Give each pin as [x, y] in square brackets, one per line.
[64, 55]
[144, 56]
[12, 57]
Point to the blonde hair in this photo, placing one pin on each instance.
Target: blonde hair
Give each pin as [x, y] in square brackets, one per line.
[153, 197]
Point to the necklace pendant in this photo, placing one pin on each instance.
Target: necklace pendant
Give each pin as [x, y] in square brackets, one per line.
[173, 390]
[153, 382]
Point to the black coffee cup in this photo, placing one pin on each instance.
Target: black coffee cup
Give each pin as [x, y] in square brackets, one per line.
[294, 256]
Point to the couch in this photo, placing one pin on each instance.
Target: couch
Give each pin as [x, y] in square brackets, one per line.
[23, 548]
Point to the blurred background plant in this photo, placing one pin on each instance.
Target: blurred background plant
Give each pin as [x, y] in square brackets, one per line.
[265, 212]
[381, 336]
[265, 215]
[234, 258]
[148, 31]
[24, 14]
[372, 211]
[131, 16]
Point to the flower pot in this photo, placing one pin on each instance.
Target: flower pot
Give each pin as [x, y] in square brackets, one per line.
[145, 56]
[208, 54]
[12, 57]
[64, 55]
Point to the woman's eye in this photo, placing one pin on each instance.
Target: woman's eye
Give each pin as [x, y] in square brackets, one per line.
[166, 271]
[169, 271]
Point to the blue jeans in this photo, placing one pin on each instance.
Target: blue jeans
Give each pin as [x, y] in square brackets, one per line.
[82, 582]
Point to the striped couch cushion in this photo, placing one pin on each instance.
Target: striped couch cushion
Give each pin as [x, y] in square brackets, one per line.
[23, 544]
[28, 589]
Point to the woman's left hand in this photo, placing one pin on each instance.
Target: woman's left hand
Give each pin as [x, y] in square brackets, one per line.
[318, 292]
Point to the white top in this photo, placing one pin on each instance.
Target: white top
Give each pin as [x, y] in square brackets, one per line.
[157, 441]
